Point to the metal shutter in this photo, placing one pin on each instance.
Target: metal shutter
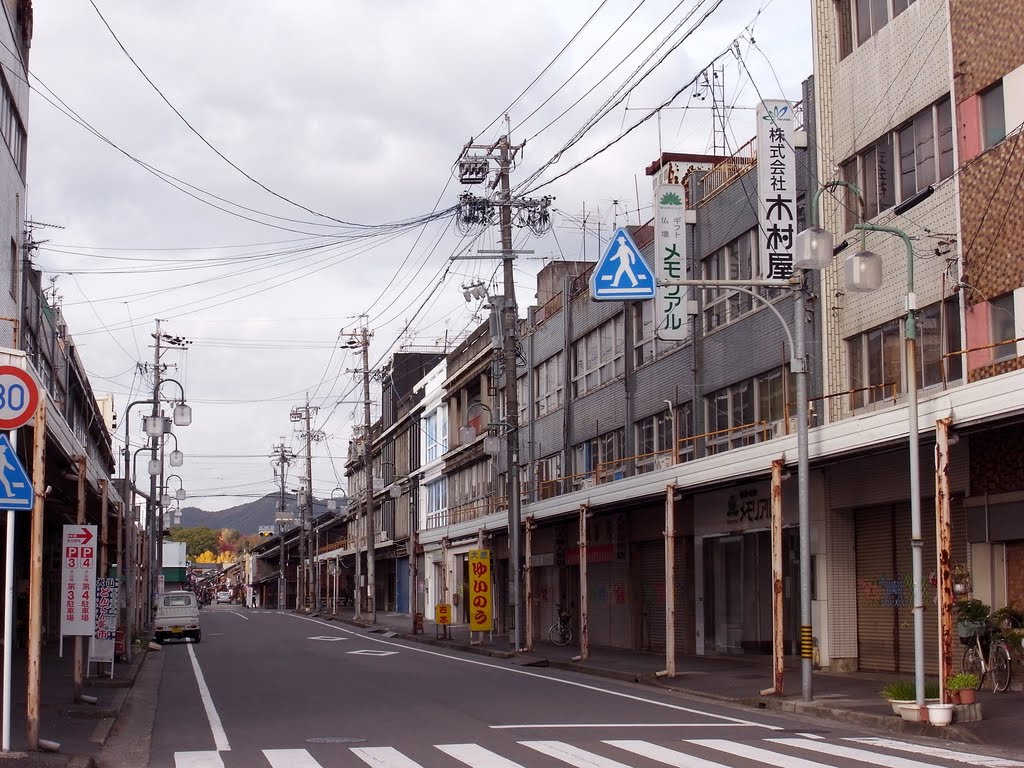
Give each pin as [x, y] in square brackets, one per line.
[649, 557]
[877, 641]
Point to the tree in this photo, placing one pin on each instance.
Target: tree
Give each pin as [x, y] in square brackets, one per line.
[206, 557]
[197, 540]
[226, 557]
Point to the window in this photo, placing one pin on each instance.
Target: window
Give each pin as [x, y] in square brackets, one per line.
[993, 117]
[1003, 325]
[14, 268]
[548, 473]
[11, 127]
[938, 334]
[872, 15]
[741, 413]
[600, 456]
[871, 171]
[876, 365]
[599, 356]
[646, 346]
[654, 442]
[547, 383]
[435, 434]
[735, 261]
[899, 6]
[436, 496]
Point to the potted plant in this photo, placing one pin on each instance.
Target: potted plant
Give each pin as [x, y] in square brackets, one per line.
[962, 687]
[961, 576]
[970, 618]
[904, 692]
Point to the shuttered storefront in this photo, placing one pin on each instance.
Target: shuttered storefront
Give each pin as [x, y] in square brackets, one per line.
[649, 562]
[608, 615]
[876, 616]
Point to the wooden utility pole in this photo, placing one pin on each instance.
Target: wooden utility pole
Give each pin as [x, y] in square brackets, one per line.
[35, 584]
[80, 519]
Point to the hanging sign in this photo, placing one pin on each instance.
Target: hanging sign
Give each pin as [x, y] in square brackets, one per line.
[78, 581]
[481, 601]
[776, 189]
[670, 302]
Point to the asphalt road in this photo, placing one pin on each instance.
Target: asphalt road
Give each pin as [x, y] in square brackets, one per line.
[278, 690]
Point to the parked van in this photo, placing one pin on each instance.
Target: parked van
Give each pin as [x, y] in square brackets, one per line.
[177, 616]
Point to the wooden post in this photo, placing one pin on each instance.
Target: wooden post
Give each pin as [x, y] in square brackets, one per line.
[104, 547]
[528, 584]
[778, 669]
[35, 589]
[584, 634]
[80, 519]
[944, 546]
[670, 581]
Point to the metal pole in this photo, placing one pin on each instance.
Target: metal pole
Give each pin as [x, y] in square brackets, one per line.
[528, 579]
[510, 353]
[371, 535]
[778, 670]
[282, 579]
[944, 545]
[35, 588]
[670, 581]
[310, 597]
[584, 634]
[152, 501]
[803, 496]
[80, 519]
[9, 612]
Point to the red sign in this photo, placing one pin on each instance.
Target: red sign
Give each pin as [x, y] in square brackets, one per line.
[19, 396]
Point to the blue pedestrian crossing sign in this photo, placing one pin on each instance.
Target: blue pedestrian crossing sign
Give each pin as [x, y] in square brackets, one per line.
[15, 487]
[622, 274]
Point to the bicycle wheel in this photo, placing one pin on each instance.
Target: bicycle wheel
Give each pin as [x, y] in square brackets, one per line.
[558, 634]
[999, 658]
[971, 662]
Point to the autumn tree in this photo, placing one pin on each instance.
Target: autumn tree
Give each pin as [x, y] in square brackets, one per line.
[197, 540]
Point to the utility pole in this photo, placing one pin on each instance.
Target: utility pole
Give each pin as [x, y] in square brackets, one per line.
[281, 458]
[474, 168]
[155, 542]
[371, 532]
[304, 413]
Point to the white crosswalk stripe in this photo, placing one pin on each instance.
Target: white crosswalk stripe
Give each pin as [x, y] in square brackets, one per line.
[198, 760]
[574, 756]
[384, 757]
[477, 756]
[873, 751]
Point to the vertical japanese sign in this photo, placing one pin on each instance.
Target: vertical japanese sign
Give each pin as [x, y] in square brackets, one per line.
[481, 602]
[670, 303]
[102, 646]
[776, 188]
[78, 580]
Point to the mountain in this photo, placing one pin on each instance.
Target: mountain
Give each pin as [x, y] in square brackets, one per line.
[245, 518]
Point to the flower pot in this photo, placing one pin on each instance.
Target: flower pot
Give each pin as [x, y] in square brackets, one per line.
[968, 695]
[913, 713]
[954, 697]
[897, 703]
[940, 714]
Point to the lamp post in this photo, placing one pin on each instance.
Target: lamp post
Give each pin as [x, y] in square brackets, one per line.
[863, 273]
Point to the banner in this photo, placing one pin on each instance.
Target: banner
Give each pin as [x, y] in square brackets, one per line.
[670, 303]
[102, 646]
[776, 189]
[481, 602]
[78, 581]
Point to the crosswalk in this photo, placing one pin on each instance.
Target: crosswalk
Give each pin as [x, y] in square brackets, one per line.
[806, 751]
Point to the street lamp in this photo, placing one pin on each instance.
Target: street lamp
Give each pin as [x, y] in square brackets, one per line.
[863, 273]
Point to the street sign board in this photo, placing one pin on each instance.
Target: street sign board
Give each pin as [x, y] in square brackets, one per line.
[15, 488]
[622, 274]
[443, 613]
[481, 606]
[19, 396]
[78, 579]
[101, 647]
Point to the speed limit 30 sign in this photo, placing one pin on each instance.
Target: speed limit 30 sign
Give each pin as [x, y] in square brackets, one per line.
[19, 396]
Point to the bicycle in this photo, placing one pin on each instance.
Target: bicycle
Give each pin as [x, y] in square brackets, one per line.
[560, 632]
[997, 663]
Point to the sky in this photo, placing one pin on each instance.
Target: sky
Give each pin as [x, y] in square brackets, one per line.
[265, 176]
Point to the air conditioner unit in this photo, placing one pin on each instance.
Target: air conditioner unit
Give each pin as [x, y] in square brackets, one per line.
[663, 461]
[778, 428]
[587, 482]
[383, 537]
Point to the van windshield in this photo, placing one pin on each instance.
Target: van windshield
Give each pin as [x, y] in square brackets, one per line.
[173, 600]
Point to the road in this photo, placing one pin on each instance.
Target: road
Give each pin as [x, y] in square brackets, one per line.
[278, 690]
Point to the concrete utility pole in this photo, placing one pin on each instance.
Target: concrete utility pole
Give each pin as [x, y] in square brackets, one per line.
[281, 458]
[474, 168]
[303, 414]
[371, 528]
[155, 539]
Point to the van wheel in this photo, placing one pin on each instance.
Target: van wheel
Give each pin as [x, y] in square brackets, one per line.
[197, 637]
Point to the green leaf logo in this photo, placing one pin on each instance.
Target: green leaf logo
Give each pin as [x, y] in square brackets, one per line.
[778, 112]
[670, 198]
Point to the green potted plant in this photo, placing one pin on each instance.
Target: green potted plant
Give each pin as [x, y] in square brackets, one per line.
[962, 687]
[961, 576]
[970, 617]
[900, 692]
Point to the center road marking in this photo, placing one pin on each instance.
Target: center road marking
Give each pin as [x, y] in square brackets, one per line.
[561, 681]
[220, 739]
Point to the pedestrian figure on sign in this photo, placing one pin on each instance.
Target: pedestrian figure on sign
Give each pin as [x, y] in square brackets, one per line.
[626, 258]
[5, 465]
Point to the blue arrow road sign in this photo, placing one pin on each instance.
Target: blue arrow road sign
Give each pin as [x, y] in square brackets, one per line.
[622, 274]
[15, 487]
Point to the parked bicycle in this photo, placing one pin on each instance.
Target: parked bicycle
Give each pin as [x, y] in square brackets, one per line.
[986, 654]
[561, 631]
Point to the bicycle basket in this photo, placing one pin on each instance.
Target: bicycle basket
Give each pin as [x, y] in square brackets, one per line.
[968, 629]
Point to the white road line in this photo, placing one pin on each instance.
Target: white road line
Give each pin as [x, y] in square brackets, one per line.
[850, 753]
[290, 758]
[758, 755]
[574, 756]
[561, 681]
[615, 725]
[945, 754]
[476, 756]
[239, 615]
[384, 757]
[220, 739]
[198, 760]
[664, 755]
[810, 736]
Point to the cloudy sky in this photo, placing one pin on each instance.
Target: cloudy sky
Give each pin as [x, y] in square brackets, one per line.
[227, 166]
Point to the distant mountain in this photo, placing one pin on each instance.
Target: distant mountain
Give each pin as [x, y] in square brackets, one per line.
[244, 518]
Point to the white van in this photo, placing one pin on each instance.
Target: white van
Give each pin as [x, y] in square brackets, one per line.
[177, 616]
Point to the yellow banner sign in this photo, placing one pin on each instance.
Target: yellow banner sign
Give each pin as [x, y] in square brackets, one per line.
[481, 600]
[443, 613]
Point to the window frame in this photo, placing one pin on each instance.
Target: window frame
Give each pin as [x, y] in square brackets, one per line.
[549, 396]
[599, 356]
[999, 309]
[992, 110]
[736, 260]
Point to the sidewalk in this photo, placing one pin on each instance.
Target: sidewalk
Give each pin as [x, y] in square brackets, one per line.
[79, 729]
[852, 698]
